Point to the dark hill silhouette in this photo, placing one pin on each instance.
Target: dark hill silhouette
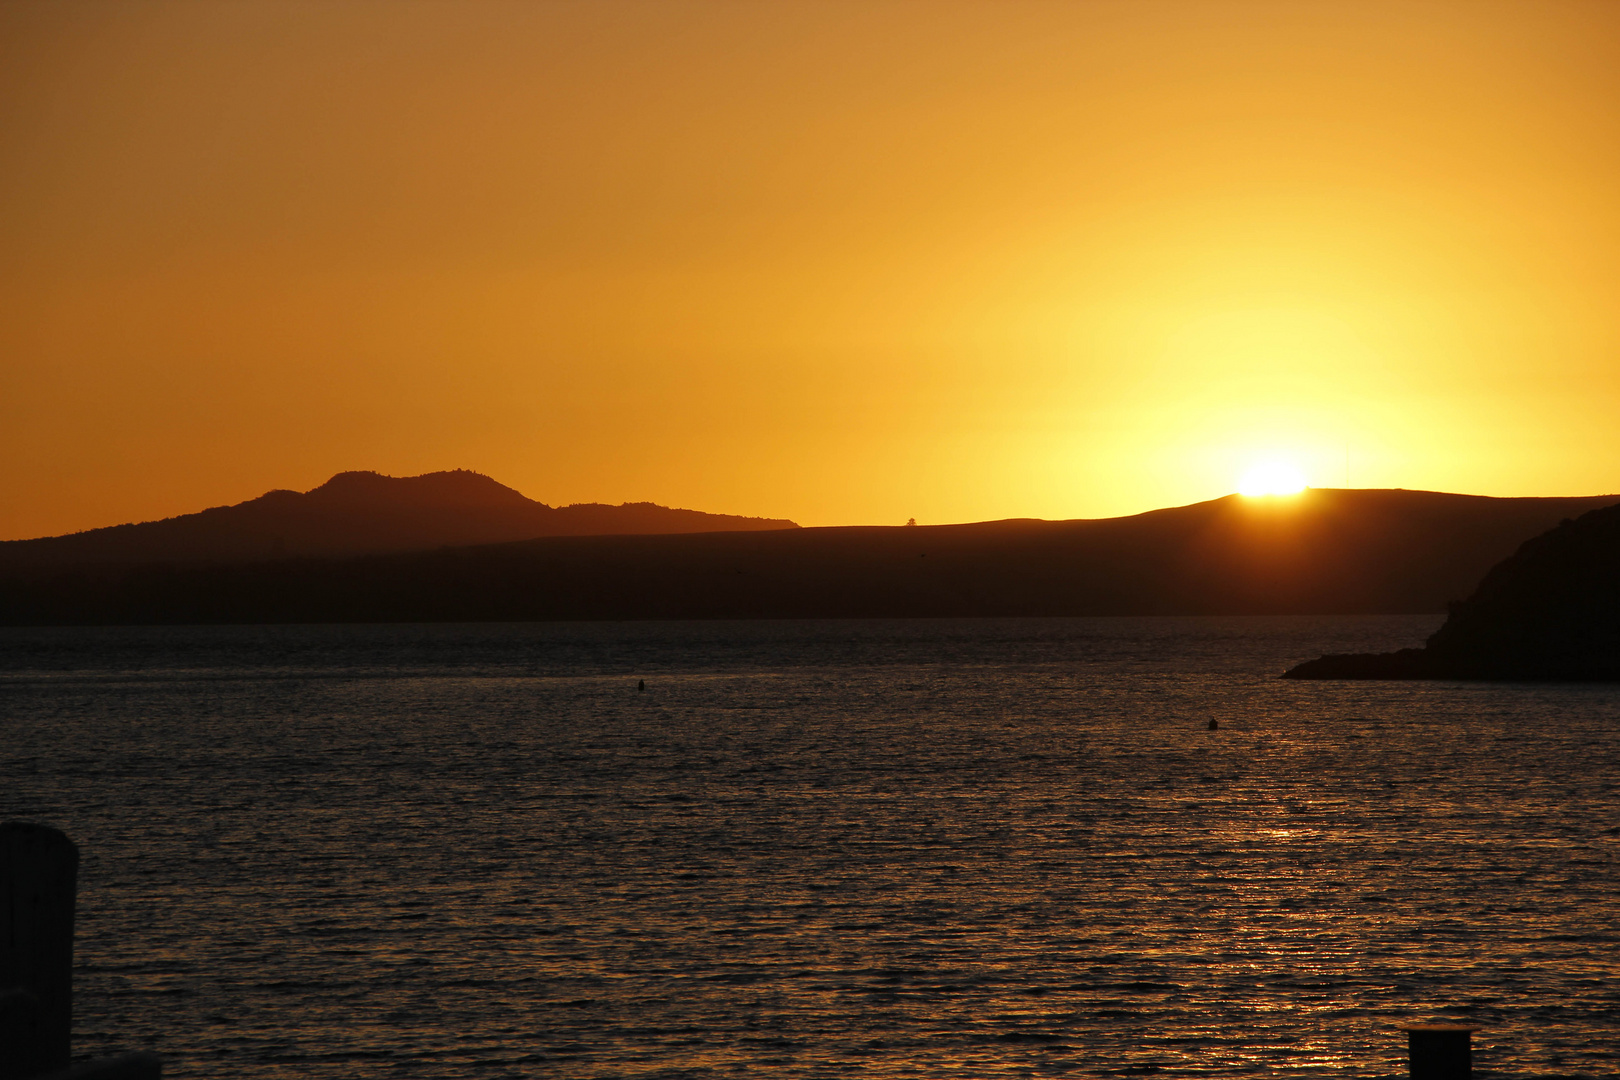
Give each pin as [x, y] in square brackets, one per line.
[1325, 551]
[1549, 612]
[357, 513]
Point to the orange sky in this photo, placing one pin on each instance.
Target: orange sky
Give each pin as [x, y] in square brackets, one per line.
[839, 262]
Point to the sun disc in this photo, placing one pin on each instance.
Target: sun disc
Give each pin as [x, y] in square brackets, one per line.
[1272, 478]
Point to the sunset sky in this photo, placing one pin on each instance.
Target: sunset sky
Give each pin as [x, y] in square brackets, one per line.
[839, 262]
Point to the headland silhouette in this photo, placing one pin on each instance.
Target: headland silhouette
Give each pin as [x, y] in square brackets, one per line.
[1551, 611]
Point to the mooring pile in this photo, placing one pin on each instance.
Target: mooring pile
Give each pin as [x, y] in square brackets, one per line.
[39, 871]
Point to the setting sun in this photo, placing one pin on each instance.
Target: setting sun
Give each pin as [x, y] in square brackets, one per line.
[1272, 478]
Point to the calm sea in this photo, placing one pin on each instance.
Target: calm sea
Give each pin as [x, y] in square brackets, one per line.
[928, 848]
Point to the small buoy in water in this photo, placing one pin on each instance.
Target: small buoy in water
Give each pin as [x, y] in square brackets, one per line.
[1214, 725]
[641, 684]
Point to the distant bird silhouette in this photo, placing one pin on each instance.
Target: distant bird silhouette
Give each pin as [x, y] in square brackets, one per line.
[1214, 725]
[641, 684]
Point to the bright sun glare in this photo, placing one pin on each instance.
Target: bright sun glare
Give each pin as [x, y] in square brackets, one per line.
[1272, 478]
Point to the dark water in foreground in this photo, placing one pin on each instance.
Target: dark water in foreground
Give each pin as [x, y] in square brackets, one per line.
[935, 848]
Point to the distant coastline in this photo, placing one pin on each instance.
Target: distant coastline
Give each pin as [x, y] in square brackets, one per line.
[1326, 551]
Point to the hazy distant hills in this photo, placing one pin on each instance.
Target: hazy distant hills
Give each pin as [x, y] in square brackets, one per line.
[1325, 551]
[357, 513]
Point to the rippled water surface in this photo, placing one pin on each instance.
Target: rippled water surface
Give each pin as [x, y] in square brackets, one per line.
[823, 849]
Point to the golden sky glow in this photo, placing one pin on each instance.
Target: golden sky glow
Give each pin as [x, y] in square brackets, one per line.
[843, 263]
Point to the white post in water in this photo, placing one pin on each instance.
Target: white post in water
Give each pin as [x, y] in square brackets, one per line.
[1440, 1051]
[39, 869]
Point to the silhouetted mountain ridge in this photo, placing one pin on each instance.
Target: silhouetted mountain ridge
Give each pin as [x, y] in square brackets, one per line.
[361, 513]
[1322, 552]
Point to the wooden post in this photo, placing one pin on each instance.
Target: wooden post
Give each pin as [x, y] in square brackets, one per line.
[39, 869]
[1440, 1051]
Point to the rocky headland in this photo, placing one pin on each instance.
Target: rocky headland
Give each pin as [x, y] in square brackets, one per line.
[1550, 612]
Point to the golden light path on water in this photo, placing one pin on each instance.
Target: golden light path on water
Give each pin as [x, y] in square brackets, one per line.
[928, 847]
